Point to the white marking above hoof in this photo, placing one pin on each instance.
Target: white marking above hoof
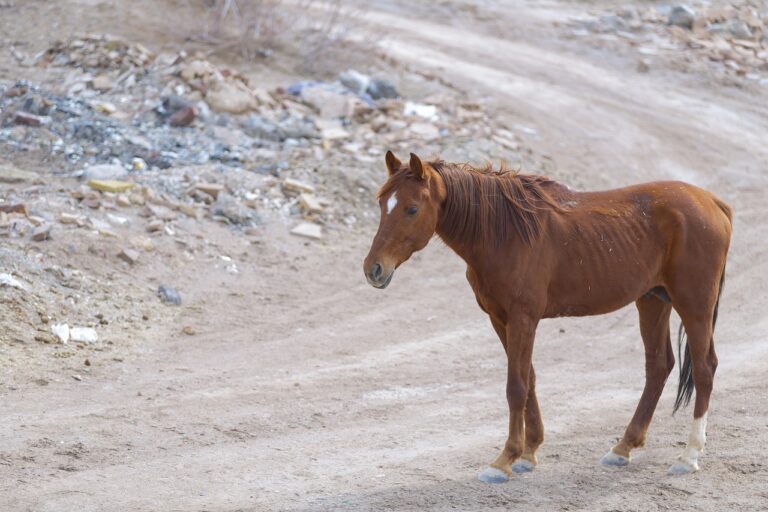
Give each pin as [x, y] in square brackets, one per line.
[523, 466]
[614, 459]
[493, 476]
[682, 468]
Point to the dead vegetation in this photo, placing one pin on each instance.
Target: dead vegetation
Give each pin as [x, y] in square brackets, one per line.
[316, 34]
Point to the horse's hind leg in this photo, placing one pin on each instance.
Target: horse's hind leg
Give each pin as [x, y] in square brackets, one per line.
[704, 363]
[659, 361]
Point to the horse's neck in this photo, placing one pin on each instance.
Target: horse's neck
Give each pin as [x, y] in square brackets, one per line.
[477, 253]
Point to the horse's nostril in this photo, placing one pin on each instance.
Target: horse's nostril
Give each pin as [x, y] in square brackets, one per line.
[376, 271]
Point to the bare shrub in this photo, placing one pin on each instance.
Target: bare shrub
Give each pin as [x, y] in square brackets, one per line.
[316, 32]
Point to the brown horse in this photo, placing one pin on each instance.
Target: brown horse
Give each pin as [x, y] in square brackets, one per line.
[535, 249]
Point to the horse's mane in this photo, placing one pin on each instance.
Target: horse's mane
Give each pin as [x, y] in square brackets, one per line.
[488, 205]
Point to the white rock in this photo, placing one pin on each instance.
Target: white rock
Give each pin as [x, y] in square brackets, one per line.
[83, 334]
[9, 280]
[420, 109]
[117, 220]
[425, 131]
[308, 230]
[61, 331]
[331, 129]
[104, 172]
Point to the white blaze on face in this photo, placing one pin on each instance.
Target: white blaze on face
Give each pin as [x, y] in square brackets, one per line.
[391, 203]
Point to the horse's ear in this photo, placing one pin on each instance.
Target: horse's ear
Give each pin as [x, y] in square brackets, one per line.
[393, 164]
[416, 167]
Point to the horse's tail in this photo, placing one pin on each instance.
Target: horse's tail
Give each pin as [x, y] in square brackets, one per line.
[685, 384]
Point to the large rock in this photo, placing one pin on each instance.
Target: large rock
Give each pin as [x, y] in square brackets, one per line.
[354, 81]
[231, 96]
[681, 16]
[329, 104]
[233, 211]
[739, 29]
[378, 89]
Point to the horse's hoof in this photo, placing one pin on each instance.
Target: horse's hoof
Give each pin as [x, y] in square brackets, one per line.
[614, 459]
[682, 468]
[492, 475]
[523, 466]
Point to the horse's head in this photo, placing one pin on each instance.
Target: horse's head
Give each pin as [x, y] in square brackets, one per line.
[409, 202]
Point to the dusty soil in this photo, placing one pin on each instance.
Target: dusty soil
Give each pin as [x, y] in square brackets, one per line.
[305, 389]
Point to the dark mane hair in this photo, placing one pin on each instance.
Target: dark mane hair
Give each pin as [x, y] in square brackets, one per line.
[488, 205]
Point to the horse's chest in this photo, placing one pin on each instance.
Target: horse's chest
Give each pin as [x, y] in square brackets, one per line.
[487, 297]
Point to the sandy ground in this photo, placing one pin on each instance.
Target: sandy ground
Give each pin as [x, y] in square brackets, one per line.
[325, 394]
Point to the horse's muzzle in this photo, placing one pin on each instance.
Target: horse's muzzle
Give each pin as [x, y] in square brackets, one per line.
[378, 277]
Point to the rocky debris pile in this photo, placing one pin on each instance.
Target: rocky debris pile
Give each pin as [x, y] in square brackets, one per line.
[97, 51]
[733, 37]
[201, 140]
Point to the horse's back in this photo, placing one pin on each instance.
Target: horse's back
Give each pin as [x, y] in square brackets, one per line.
[672, 206]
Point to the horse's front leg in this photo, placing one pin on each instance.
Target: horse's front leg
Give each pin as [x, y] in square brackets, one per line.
[520, 330]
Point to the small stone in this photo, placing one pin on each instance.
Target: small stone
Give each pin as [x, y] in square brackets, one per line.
[9, 280]
[169, 295]
[117, 220]
[142, 242]
[354, 81]
[183, 117]
[129, 256]
[379, 89]
[212, 189]
[104, 107]
[122, 200]
[78, 378]
[419, 109]
[310, 203]
[739, 29]
[27, 119]
[61, 331]
[104, 172]
[308, 230]
[35, 220]
[681, 16]
[293, 185]
[113, 186]
[188, 330]
[173, 103]
[643, 66]
[138, 164]
[102, 83]
[83, 334]
[41, 233]
[68, 218]
[155, 225]
[87, 362]
[426, 131]
[331, 129]
[229, 209]
[11, 174]
[13, 208]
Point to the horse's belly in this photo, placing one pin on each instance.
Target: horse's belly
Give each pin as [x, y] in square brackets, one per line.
[605, 289]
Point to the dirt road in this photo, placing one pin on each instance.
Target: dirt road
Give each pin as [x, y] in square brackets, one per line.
[336, 396]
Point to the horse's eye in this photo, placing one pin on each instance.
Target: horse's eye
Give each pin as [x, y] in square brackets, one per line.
[411, 210]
